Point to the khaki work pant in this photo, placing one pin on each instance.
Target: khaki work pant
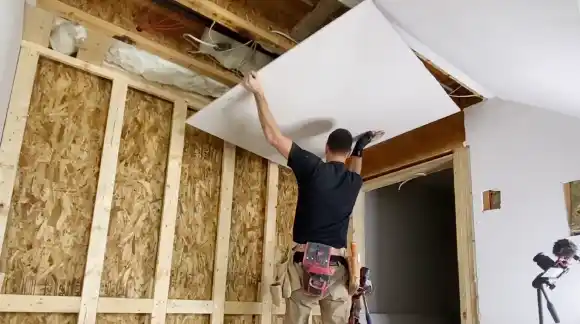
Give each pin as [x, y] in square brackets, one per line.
[334, 307]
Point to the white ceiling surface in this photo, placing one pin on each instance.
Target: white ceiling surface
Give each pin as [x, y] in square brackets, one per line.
[521, 50]
[355, 73]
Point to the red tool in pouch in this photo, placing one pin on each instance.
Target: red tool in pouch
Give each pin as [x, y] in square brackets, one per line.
[317, 269]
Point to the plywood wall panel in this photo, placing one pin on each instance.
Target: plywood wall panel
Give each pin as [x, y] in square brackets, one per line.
[47, 234]
[241, 319]
[123, 318]
[247, 229]
[287, 199]
[37, 318]
[187, 319]
[196, 230]
[139, 186]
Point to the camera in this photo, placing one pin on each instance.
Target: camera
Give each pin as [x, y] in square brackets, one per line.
[565, 251]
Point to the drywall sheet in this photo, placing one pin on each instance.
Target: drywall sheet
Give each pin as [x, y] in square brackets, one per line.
[521, 50]
[355, 73]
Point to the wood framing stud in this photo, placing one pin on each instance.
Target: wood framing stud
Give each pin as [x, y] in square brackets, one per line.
[37, 25]
[465, 237]
[223, 233]
[269, 249]
[169, 216]
[94, 49]
[108, 305]
[358, 225]
[13, 134]
[111, 30]
[103, 201]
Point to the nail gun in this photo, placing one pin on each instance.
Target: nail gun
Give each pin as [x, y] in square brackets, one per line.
[365, 288]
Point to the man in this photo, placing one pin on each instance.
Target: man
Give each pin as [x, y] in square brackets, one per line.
[327, 192]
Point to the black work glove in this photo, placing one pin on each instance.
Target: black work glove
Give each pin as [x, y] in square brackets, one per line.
[362, 142]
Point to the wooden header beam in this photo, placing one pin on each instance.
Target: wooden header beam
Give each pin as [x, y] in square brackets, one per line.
[111, 30]
[421, 144]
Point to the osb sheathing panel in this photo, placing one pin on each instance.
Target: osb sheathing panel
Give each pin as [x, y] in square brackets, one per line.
[37, 318]
[197, 216]
[123, 318]
[130, 257]
[241, 319]
[47, 235]
[247, 227]
[287, 198]
[187, 319]
[268, 15]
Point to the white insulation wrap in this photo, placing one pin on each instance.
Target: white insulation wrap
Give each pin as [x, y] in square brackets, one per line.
[156, 69]
[66, 37]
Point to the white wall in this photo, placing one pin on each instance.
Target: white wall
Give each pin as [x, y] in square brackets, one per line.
[526, 153]
[11, 19]
[410, 244]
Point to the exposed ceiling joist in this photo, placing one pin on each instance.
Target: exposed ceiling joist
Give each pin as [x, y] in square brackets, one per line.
[238, 24]
[315, 19]
[203, 67]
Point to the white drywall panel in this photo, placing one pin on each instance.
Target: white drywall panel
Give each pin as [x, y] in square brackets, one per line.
[11, 20]
[355, 73]
[399, 225]
[521, 50]
[527, 153]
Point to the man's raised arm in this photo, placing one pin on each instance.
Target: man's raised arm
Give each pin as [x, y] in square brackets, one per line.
[269, 126]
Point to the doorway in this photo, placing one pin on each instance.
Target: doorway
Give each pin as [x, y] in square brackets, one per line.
[411, 249]
[458, 161]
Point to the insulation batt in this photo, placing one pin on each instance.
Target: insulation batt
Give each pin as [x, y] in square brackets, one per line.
[158, 70]
[66, 37]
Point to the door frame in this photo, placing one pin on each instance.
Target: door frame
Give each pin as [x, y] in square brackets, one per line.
[458, 160]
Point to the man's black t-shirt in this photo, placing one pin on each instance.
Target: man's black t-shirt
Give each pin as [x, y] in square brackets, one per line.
[327, 193]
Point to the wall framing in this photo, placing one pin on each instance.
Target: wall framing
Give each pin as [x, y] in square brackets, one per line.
[90, 304]
[459, 161]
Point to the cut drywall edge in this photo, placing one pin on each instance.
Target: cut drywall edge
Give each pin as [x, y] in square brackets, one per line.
[437, 60]
[66, 37]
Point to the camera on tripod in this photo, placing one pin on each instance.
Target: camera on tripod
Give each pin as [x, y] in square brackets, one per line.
[565, 251]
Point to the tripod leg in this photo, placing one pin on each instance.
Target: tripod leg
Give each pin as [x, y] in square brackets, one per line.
[551, 307]
[540, 306]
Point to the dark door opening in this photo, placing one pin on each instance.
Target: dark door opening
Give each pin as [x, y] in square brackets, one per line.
[411, 249]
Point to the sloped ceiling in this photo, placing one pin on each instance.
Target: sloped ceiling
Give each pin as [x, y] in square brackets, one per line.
[526, 51]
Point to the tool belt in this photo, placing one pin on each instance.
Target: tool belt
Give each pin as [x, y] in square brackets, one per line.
[318, 262]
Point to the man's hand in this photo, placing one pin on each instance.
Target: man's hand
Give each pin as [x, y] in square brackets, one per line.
[364, 140]
[252, 83]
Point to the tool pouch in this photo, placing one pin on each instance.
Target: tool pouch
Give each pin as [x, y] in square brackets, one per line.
[317, 269]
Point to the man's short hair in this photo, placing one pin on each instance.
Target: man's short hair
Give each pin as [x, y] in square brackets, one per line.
[339, 141]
